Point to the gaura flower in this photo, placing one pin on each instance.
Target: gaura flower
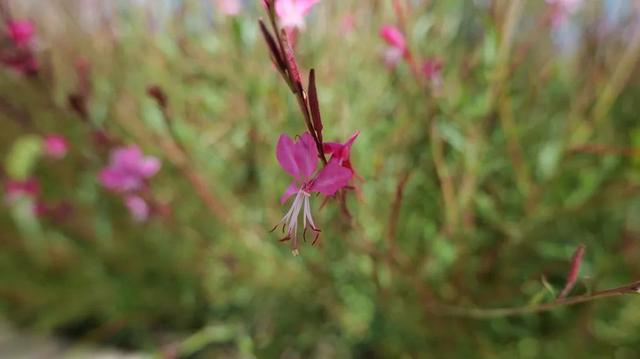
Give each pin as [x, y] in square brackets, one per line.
[293, 12]
[20, 32]
[55, 146]
[300, 159]
[128, 169]
[341, 152]
[397, 45]
[348, 23]
[20, 57]
[229, 7]
[562, 9]
[432, 69]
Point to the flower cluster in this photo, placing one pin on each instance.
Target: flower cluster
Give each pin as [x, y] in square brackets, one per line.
[397, 49]
[127, 175]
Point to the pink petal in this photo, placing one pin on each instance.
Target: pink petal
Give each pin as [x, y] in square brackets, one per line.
[138, 208]
[55, 146]
[332, 147]
[393, 37]
[331, 179]
[126, 156]
[149, 167]
[305, 6]
[21, 31]
[290, 191]
[285, 153]
[306, 155]
[109, 178]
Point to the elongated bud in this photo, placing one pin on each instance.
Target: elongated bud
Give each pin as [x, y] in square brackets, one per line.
[274, 52]
[292, 64]
[314, 105]
[572, 277]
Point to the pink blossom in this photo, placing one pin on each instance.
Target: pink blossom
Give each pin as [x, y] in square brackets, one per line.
[21, 32]
[300, 160]
[562, 9]
[229, 7]
[432, 68]
[15, 189]
[341, 152]
[138, 208]
[55, 146]
[348, 23]
[293, 12]
[128, 169]
[392, 57]
[397, 45]
[394, 38]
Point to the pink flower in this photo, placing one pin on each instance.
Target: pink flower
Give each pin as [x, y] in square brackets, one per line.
[341, 152]
[300, 160]
[128, 169]
[394, 37]
[229, 7]
[562, 9]
[432, 68]
[55, 146]
[293, 12]
[397, 45]
[348, 23]
[15, 189]
[138, 208]
[21, 32]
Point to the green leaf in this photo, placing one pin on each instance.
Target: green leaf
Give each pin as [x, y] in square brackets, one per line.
[23, 156]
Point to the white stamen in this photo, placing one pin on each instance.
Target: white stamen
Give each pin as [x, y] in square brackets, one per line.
[290, 220]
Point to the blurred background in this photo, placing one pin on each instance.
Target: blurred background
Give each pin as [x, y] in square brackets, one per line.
[508, 138]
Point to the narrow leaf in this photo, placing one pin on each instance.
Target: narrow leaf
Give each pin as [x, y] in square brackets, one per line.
[292, 64]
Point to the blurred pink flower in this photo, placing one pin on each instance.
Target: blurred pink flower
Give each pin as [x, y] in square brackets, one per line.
[128, 169]
[229, 7]
[300, 160]
[562, 9]
[15, 189]
[55, 146]
[348, 23]
[293, 12]
[138, 208]
[394, 37]
[341, 152]
[397, 45]
[21, 32]
[432, 68]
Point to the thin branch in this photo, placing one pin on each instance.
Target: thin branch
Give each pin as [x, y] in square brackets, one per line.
[482, 313]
